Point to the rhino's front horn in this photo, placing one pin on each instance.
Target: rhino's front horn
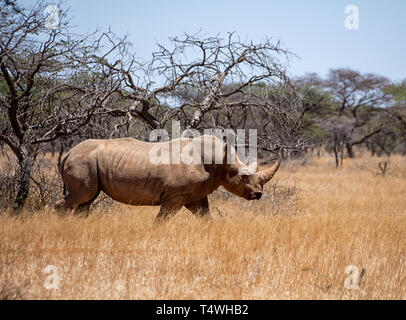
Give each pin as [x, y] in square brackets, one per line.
[267, 175]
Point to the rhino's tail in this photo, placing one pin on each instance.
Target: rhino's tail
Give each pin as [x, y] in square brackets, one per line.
[61, 168]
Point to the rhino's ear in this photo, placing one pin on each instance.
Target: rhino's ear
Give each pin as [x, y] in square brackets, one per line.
[232, 170]
[229, 159]
[225, 148]
[229, 153]
[248, 170]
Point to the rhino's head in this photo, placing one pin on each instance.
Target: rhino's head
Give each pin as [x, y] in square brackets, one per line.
[245, 182]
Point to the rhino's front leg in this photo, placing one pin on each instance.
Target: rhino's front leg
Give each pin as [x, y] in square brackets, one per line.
[168, 209]
[200, 208]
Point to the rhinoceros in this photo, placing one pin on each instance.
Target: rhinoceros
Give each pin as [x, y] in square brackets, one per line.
[124, 170]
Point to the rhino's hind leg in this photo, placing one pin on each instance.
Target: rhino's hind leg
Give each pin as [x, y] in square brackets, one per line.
[65, 204]
[200, 208]
[81, 192]
[59, 204]
[76, 204]
[167, 210]
[79, 203]
[83, 208]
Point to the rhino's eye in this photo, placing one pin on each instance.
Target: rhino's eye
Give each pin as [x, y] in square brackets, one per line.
[244, 178]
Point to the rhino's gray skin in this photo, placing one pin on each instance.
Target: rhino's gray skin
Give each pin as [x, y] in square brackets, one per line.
[122, 169]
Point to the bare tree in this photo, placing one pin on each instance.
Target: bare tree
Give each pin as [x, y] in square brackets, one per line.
[51, 85]
[203, 81]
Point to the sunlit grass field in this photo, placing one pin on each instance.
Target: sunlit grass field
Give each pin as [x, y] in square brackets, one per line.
[295, 243]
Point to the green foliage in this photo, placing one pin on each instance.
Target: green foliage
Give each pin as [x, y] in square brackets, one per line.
[397, 91]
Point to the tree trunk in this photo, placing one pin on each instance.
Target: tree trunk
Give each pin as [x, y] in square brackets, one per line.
[336, 154]
[52, 148]
[350, 150]
[373, 150]
[24, 174]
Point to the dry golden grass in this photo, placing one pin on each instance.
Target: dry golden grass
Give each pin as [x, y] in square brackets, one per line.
[348, 216]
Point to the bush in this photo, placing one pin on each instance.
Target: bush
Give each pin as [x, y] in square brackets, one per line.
[45, 185]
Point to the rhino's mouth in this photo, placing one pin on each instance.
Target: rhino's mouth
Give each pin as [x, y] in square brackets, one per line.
[255, 196]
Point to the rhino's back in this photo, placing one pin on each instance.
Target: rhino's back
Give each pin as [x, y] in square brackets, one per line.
[126, 173]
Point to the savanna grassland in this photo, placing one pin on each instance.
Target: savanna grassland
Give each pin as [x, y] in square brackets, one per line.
[295, 243]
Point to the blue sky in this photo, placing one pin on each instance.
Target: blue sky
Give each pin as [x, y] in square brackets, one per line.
[313, 30]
